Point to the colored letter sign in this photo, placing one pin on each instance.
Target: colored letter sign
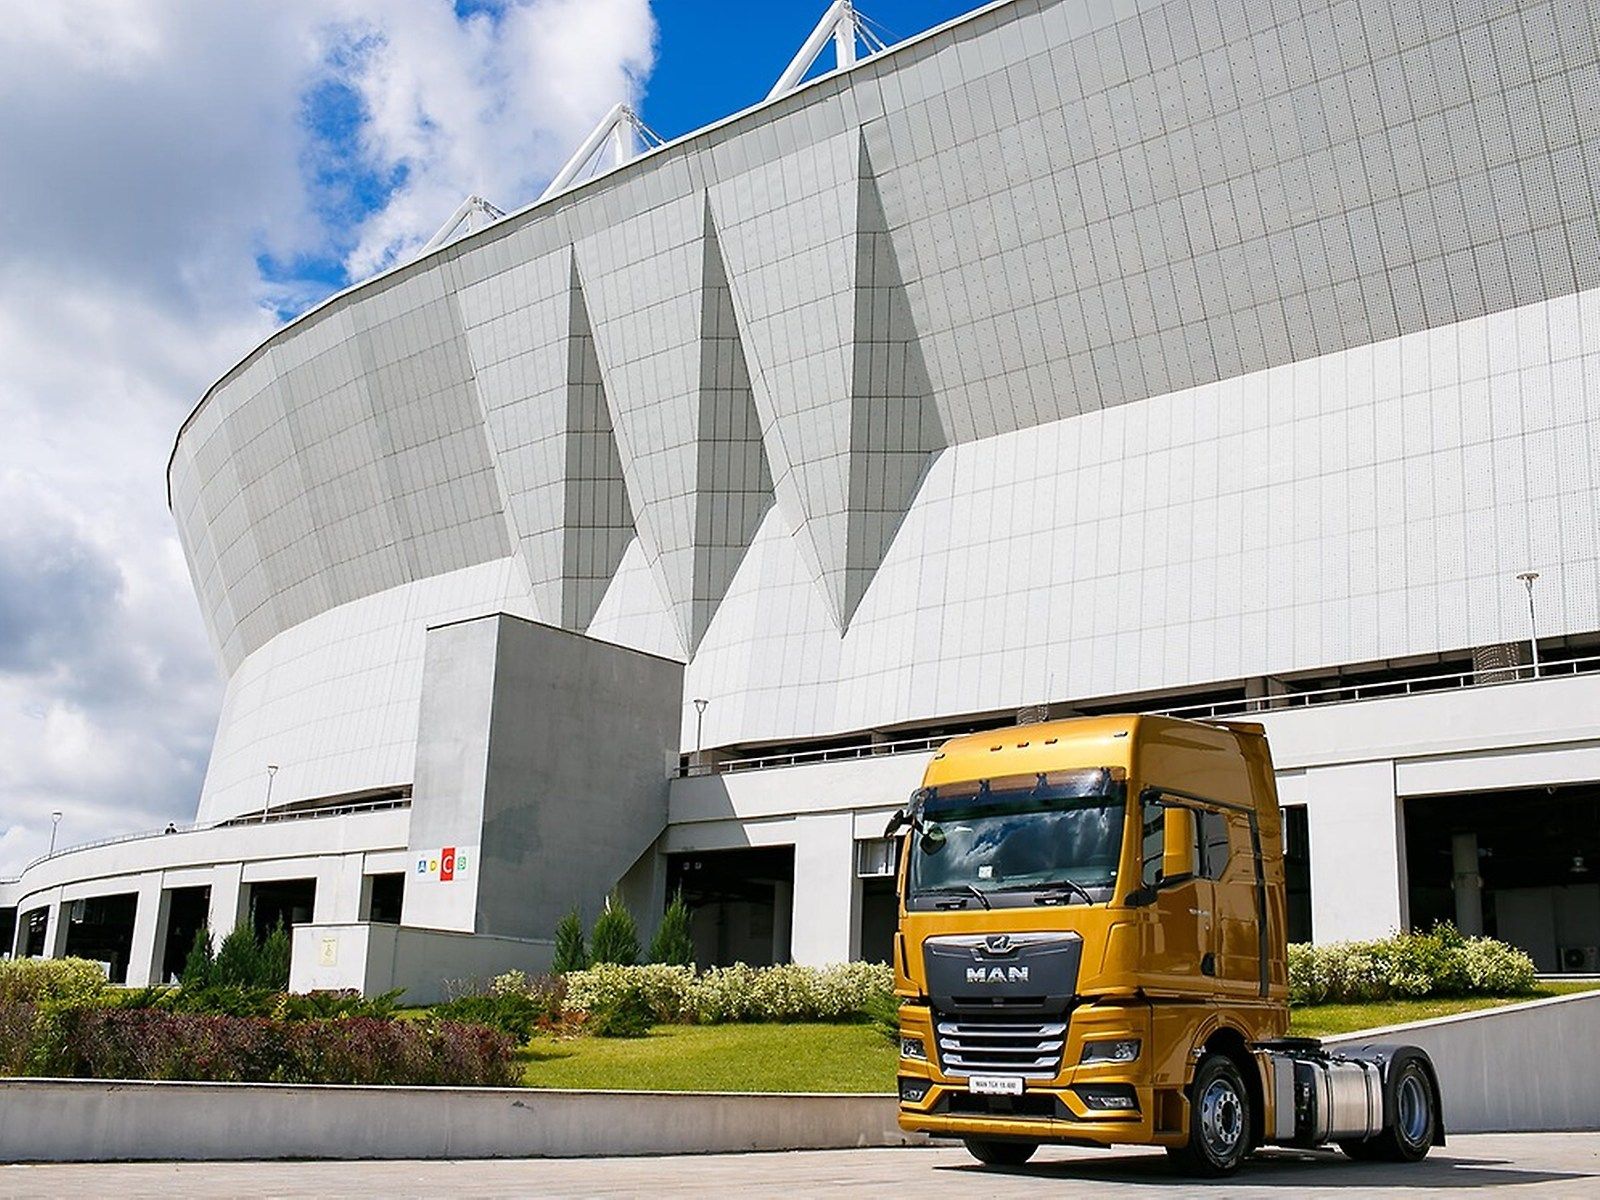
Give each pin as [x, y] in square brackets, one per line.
[447, 864]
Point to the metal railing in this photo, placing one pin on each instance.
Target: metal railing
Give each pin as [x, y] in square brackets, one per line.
[240, 822]
[1242, 707]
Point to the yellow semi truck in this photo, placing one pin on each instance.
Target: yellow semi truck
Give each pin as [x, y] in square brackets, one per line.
[1092, 951]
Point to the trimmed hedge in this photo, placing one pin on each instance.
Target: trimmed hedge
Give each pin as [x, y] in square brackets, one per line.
[1442, 962]
[32, 980]
[148, 1043]
[738, 993]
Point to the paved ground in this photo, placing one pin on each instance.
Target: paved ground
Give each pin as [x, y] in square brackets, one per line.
[1555, 1164]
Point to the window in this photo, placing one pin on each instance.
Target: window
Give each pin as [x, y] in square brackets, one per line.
[1156, 808]
[877, 857]
[1211, 847]
[1214, 843]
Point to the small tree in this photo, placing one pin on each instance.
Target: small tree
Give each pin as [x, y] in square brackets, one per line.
[238, 959]
[673, 943]
[571, 953]
[197, 966]
[616, 937]
[272, 960]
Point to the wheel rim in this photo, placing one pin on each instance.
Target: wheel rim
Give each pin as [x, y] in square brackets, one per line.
[1222, 1119]
[1411, 1108]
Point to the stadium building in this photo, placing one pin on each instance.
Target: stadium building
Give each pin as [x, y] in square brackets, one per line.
[1215, 357]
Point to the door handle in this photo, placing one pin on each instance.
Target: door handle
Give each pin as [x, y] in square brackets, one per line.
[1208, 964]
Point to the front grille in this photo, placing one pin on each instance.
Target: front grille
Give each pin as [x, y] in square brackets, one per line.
[1000, 1045]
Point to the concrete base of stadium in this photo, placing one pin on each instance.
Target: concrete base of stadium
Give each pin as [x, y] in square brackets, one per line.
[80, 1120]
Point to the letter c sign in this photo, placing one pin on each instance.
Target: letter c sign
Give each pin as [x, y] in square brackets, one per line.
[447, 864]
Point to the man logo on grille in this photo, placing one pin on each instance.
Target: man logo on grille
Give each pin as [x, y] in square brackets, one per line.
[998, 943]
[997, 974]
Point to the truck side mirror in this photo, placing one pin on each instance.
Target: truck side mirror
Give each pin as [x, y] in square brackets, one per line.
[1177, 845]
[896, 823]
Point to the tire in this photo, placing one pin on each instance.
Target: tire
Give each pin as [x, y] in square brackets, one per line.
[993, 1153]
[1410, 1124]
[1219, 1120]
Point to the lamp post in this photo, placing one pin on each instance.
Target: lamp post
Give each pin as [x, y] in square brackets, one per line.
[699, 722]
[55, 823]
[272, 769]
[1527, 578]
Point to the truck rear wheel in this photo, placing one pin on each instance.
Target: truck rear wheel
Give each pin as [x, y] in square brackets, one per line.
[1410, 1127]
[993, 1153]
[1219, 1120]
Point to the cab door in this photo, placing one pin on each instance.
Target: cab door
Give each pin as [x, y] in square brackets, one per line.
[1177, 930]
[1229, 860]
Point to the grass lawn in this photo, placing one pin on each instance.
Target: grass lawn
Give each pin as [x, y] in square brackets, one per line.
[847, 1057]
[1327, 1020]
[719, 1058]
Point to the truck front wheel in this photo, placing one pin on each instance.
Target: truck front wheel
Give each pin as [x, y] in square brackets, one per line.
[1219, 1120]
[1000, 1154]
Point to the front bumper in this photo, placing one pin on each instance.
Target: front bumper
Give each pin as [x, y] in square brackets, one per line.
[1068, 1108]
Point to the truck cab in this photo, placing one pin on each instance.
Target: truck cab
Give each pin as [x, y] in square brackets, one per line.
[1091, 950]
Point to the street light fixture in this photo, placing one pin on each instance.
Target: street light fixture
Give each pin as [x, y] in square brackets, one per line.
[272, 769]
[1527, 578]
[699, 722]
[55, 823]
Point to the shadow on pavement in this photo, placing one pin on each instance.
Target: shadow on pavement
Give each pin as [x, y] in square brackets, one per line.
[1292, 1169]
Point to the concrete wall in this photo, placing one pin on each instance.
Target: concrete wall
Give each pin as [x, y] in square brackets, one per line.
[422, 962]
[542, 760]
[89, 1120]
[1527, 1067]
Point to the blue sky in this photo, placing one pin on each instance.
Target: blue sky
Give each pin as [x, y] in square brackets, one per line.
[711, 60]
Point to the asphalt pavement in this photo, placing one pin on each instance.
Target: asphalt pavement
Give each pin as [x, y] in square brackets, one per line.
[1526, 1164]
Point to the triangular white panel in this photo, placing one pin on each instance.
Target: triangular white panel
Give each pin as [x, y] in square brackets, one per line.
[646, 315]
[788, 233]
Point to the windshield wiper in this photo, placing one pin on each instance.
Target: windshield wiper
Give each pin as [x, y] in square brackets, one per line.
[1060, 887]
[960, 889]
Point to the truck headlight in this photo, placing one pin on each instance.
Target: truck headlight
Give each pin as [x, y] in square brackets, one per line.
[1122, 1050]
[913, 1048]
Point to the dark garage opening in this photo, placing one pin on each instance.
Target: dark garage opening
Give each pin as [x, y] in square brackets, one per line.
[34, 924]
[1523, 866]
[385, 895]
[740, 903]
[100, 928]
[188, 910]
[8, 930]
[1297, 871]
[290, 901]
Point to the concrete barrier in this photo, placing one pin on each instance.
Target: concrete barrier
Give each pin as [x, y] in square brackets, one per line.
[84, 1120]
[1526, 1067]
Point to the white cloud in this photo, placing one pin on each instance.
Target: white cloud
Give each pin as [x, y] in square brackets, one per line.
[153, 151]
[491, 106]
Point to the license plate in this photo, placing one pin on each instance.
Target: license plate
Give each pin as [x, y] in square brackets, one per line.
[995, 1085]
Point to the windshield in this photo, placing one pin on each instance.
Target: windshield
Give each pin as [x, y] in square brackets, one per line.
[1019, 840]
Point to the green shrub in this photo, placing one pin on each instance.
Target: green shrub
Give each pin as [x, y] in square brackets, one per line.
[571, 953]
[517, 1013]
[883, 1014]
[663, 990]
[848, 991]
[272, 960]
[238, 960]
[616, 937]
[196, 971]
[34, 980]
[673, 943]
[1441, 962]
[628, 1016]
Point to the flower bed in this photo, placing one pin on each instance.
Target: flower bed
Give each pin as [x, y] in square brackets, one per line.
[1442, 962]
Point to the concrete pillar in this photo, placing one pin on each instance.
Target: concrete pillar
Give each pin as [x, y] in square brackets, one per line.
[227, 901]
[339, 881]
[1357, 861]
[55, 934]
[1467, 883]
[149, 932]
[824, 888]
